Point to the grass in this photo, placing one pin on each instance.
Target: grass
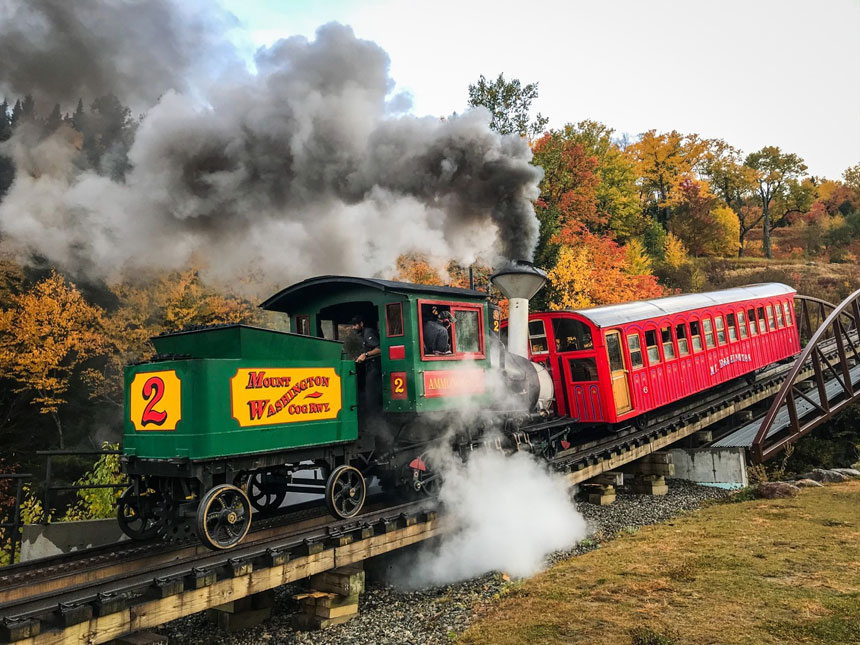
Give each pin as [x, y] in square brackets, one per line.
[758, 571]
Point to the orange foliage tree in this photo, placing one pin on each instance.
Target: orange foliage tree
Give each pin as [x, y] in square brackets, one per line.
[46, 335]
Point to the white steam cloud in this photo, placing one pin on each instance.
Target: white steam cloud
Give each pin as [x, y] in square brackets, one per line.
[505, 513]
[307, 166]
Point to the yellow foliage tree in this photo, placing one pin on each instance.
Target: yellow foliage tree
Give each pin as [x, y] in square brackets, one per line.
[728, 226]
[638, 260]
[570, 279]
[675, 253]
[46, 334]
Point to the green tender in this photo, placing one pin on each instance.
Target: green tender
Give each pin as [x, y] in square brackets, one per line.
[205, 361]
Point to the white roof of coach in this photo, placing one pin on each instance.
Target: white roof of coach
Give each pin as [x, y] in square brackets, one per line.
[609, 315]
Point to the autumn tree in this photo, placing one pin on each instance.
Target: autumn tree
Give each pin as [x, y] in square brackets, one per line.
[851, 176]
[774, 169]
[568, 192]
[661, 161]
[615, 193]
[416, 268]
[509, 103]
[46, 335]
[699, 222]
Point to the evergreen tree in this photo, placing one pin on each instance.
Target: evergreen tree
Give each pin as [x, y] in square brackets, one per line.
[16, 112]
[28, 107]
[54, 119]
[7, 170]
[79, 117]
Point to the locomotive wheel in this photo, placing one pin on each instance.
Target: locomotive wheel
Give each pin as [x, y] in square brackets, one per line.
[135, 515]
[425, 481]
[223, 516]
[345, 492]
[262, 499]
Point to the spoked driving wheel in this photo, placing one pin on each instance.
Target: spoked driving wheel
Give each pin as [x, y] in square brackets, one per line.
[138, 516]
[262, 491]
[424, 479]
[345, 492]
[223, 516]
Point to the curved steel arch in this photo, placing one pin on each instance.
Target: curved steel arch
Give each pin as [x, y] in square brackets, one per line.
[835, 392]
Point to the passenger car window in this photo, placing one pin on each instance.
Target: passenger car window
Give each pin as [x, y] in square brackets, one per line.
[537, 337]
[466, 332]
[787, 308]
[779, 321]
[651, 347]
[721, 332]
[668, 347]
[571, 335]
[681, 333]
[753, 328]
[709, 332]
[394, 319]
[633, 344]
[696, 335]
[770, 324]
[733, 331]
[761, 324]
[742, 324]
[582, 369]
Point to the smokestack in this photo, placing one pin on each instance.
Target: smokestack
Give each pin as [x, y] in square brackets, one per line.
[519, 281]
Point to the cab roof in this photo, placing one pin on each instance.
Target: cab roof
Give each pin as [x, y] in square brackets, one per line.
[610, 315]
[295, 295]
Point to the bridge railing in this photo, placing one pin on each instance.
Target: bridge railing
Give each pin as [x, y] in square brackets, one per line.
[832, 351]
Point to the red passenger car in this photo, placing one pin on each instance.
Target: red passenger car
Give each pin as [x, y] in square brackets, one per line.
[611, 364]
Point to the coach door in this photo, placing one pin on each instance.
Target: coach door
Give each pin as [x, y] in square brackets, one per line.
[617, 372]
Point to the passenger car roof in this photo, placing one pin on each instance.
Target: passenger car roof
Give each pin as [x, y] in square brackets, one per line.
[644, 309]
[291, 297]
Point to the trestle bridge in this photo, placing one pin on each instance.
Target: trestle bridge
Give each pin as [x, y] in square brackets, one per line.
[101, 594]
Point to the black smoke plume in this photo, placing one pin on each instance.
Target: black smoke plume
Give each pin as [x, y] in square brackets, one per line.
[306, 165]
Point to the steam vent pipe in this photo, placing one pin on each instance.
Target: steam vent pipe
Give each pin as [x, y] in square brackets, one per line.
[519, 281]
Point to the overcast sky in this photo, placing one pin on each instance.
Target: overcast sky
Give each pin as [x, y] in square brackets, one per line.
[753, 72]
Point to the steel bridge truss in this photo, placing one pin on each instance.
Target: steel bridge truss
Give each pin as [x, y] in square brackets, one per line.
[804, 402]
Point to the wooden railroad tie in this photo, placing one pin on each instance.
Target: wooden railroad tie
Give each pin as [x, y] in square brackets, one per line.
[333, 598]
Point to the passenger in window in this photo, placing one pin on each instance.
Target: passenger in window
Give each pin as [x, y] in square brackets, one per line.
[437, 339]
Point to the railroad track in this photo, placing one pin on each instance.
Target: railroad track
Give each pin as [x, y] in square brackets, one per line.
[77, 597]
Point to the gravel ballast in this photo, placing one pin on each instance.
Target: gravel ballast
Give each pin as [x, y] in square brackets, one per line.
[389, 616]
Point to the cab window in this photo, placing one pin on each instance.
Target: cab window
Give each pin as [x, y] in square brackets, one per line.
[463, 337]
[668, 346]
[537, 337]
[394, 319]
[696, 335]
[709, 333]
[303, 325]
[571, 335]
[635, 348]
[742, 324]
[651, 347]
[732, 325]
[681, 333]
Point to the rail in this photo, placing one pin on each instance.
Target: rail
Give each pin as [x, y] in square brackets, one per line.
[15, 523]
[829, 396]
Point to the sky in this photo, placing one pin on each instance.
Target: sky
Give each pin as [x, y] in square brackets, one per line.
[752, 72]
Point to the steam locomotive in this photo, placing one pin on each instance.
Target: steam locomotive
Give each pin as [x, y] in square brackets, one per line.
[228, 419]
